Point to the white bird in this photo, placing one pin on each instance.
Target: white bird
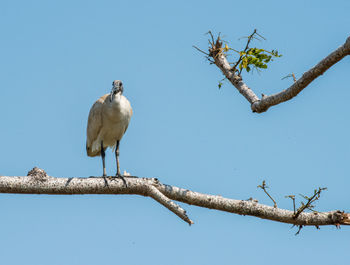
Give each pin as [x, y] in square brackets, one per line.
[109, 118]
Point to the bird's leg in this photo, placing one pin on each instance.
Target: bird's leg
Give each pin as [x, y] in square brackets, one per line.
[119, 175]
[117, 158]
[103, 159]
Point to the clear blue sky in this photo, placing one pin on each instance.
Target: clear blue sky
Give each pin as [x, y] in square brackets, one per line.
[58, 57]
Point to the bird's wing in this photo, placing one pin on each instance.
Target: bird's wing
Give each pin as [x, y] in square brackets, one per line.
[130, 114]
[94, 125]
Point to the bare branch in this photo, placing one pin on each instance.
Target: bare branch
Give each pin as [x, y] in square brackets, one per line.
[263, 104]
[305, 80]
[37, 182]
[159, 197]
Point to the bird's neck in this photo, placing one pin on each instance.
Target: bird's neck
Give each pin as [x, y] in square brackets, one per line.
[116, 102]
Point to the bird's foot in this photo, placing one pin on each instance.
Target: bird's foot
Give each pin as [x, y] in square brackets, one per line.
[118, 176]
[112, 177]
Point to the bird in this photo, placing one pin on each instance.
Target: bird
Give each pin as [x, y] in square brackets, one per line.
[108, 121]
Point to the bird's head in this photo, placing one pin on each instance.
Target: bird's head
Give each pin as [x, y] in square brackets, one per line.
[117, 89]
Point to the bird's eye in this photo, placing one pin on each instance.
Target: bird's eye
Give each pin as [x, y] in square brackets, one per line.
[120, 84]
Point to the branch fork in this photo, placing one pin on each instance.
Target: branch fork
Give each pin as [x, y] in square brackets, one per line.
[259, 105]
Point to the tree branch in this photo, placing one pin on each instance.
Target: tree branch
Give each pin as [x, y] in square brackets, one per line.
[263, 104]
[38, 182]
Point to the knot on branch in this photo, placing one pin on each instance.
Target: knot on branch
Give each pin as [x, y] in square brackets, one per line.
[345, 218]
[215, 46]
[155, 181]
[337, 218]
[260, 106]
[255, 201]
[38, 174]
[340, 218]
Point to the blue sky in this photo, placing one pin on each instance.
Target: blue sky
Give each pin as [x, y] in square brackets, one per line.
[58, 57]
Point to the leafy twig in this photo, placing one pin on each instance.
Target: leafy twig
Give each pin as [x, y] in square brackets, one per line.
[250, 37]
[220, 82]
[252, 57]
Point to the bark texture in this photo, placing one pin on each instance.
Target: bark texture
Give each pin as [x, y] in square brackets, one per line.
[38, 182]
[263, 104]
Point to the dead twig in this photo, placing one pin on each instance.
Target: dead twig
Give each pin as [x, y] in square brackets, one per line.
[263, 186]
[310, 200]
[293, 199]
[200, 50]
[290, 75]
[300, 227]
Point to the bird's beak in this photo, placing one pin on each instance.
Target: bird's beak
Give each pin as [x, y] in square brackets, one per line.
[112, 96]
[115, 92]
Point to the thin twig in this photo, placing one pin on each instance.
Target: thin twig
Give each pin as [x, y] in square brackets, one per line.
[310, 200]
[200, 50]
[293, 198]
[264, 187]
[250, 37]
[290, 75]
[300, 227]
[212, 37]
